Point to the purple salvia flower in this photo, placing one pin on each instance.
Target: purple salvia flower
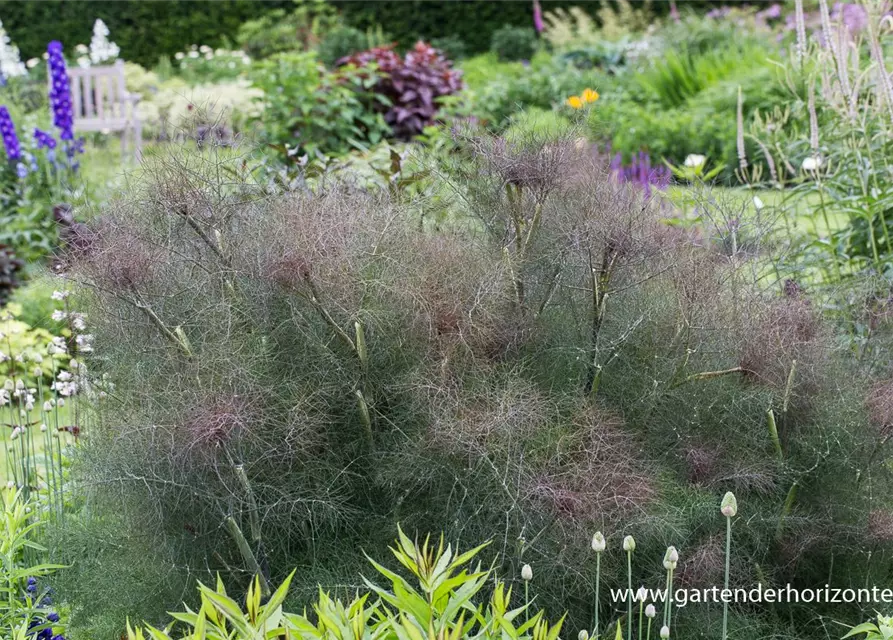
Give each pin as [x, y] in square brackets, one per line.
[640, 173]
[60, 92]
[538, 17]
[10, 139]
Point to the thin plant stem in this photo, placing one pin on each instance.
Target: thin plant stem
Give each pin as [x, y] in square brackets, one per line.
[725, 606]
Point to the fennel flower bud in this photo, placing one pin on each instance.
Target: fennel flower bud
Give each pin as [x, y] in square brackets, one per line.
[598, 542]
[526, 573]
[629, 543]
[729, 505]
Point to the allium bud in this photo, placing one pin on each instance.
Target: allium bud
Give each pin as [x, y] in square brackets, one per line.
[629, 543]
[641, 594]
[10, 485]
[38, 372]
[583, 635]
[9, 385]
[526, 573]
[43, 428]
[20, 385]
[15, 433]
[598, 542]
[729, 506]
[650, 611]
[47, 406]
[671, 558]
[665, 632]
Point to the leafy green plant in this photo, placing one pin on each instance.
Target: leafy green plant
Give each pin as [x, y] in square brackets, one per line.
[21, 608]
[278, 30]
[447, 601]
[308, 109]
[514, 43]
[881, 630]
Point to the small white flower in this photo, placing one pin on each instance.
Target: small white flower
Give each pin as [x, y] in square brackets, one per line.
[9, 385]
[3, 357]
[526, 573]
[64, 376]
[650, 611]
[47, 406]
[10, 485]
[58, 315]
[37, 358]
[43, 428]
[695, 160]
[20, 385]
[60, 402]
[194, 54]
[812, 163]
[81, 48]
[757, 203]
[205, 48]
[15, 433]
[665, 632]
[583, 635]
[32, 62]
[60, 295]
[641, 594]
[179, 55]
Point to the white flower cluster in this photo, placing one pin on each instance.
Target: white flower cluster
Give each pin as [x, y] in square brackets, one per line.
[195, 52]
[11, 65]
[101, 48]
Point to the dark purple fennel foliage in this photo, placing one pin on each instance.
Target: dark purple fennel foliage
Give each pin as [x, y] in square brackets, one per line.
[640, 173]
[10, 139]
[411, 85]
[60, 92]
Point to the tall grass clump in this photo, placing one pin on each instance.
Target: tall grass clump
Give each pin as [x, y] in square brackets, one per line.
[297, 372]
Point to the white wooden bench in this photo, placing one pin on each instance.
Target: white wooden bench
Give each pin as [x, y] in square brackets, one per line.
[101, 102]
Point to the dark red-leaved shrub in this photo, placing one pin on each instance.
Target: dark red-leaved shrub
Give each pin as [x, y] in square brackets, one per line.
[411, 84]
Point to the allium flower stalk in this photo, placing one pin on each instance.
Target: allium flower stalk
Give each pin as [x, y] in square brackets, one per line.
[11, 65]
[650, 613]
[101, 48]
[629, 545]
[527, 576]
[729, 508]
[60, 92]
[598, 545]
[10, 139]
[671, 558]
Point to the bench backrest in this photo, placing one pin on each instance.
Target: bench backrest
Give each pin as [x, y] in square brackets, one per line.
[99, 98]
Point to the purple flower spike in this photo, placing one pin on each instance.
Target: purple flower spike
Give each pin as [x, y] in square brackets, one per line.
[10, 139]
[44, 140]
[640, 173]
[60, 92]
[538, 17]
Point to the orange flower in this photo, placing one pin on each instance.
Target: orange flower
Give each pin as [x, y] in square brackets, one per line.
[575, 101]
[589, 95]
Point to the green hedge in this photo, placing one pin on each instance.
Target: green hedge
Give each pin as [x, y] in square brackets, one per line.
[148, 29]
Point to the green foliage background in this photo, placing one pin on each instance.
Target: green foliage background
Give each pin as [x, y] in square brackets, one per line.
[147, 29]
